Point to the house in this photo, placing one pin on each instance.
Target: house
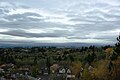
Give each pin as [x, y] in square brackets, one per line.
[44, 71]
[7, 66]
[70, 77]
[90, 68]
[2, 70]
[68, 71]
[62, 70]
[24, 71]
[54, 68]
[65, 70]
[2, 78]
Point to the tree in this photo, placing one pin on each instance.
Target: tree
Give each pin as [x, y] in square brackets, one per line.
[71, 58]
[35, 60]
[109, 52]
[48, 64]
[76, 66]
[90, 58]
[101, 70]
[117, 46]
[34, 70]
[113, 56]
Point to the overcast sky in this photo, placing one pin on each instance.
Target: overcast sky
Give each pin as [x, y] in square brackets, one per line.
[59, 21]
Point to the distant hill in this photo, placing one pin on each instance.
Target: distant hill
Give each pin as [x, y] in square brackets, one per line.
[52, 44]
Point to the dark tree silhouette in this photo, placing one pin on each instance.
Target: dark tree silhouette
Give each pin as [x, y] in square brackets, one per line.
[117, 46]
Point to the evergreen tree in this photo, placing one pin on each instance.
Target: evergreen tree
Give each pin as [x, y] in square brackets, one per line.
[117, 46]
[48, 64]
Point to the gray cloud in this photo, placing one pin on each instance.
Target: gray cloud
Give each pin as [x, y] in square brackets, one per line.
[23, 17]
[78, 20]
[22, 33]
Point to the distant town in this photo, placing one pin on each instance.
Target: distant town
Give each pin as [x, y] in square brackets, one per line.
[53, 63]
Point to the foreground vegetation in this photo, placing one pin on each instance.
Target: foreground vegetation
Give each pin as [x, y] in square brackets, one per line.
[86, 63]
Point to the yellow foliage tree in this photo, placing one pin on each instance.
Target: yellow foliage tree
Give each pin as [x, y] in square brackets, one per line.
[116, 70]
[86, 74]
[108, 52]
[101, 71]
[76, 66]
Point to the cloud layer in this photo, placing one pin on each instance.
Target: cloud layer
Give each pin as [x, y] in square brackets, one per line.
[89, 21]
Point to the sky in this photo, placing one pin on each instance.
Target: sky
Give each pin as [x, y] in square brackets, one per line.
[59, 21]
